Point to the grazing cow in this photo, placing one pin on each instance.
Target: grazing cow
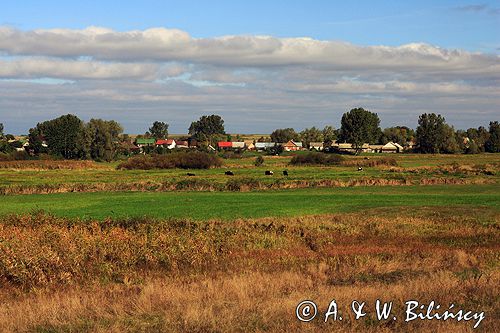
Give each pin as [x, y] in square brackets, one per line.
[191, 174]
[229, 173]
[360, 169]
[269, 173]
[285, 173]
[367, 158]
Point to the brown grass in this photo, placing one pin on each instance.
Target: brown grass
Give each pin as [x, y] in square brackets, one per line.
[61, 275]
[36, 165]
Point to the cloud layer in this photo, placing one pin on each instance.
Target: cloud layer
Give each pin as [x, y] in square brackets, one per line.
[168, 74]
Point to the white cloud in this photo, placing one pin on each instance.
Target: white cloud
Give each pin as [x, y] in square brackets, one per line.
[145, 72]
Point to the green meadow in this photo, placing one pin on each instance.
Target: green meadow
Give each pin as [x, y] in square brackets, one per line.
[254, 204]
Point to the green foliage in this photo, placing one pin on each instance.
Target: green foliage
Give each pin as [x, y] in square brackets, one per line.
[493, 143]
[100, 139]
[159, 130]
[309, 135]
[62, 135]
[284, 135]
[431, 133]
[183, 160]
[1, 131]
[360, 126]
[397, 134]
[329, 134]
[207, 129]
[317, 159]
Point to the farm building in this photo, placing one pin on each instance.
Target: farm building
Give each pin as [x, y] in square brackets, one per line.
[169, 143]
[389, 147]
[224, 144]
[349, 148]
[292, 146]
[316, 146]
[144, 142]
[264, 145]
[238, 144]
[181, 144]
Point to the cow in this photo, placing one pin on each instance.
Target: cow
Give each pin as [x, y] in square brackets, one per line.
[285, 173]
[269, 173]
[191, 174]
[229, 173]
[360, 169]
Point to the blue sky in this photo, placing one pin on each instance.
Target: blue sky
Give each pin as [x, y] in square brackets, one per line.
[104, 59]
[451, 24]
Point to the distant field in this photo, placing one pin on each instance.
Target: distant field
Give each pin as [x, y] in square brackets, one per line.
[411, 167]
[227, 205]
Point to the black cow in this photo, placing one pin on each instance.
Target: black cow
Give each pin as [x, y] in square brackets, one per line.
[285, 173]
[269, 173]
[229, 173]
[191, 174]
[360, 169]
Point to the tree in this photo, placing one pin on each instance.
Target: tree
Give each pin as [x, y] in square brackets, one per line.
[398, 134]
[100, 140]
[207, 129]
[1, 131]
[360, 126]
[35, 141]
[61, 135]
[284, 135]
[159, 130]
[309, 135]
[431, 133]
[493, 143]
[329, 135]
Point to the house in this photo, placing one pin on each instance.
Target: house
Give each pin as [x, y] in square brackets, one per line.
[259, 146]
[181, 144]
[292, 146]
[145, 142]
[238, 145]
[376, 148]
[350, 148]
[127, 147]
[168, 143]
[224, 144]
[391, 147]
[316, 146]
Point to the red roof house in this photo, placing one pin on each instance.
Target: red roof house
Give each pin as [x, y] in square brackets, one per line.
[224, 144]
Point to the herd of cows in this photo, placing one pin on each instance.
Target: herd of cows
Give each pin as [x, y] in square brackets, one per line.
[230, 173]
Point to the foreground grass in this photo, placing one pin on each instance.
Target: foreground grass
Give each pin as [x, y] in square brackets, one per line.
[228, 205]
[144, 275]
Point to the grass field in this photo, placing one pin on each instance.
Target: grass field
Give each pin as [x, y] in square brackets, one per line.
[228, 205]
[85, 247]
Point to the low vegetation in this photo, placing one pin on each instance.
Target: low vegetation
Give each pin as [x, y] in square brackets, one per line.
[317, 159]
[183, 160]
[63, 275]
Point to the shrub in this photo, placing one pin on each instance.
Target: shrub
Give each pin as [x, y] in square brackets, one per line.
[317, 158]
[183, 160]
[259, 161]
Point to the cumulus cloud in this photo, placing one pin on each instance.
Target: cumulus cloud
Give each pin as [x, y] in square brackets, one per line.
[141, 75]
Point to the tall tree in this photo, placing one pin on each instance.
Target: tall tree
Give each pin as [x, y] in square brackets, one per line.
[159, 130]
[1, 131]
[493, 143]
[207, 129]
[360, 126]
[431, 133]
[284, 135]
[398, 134]
[309, 135]
[329, 135]
[101, 139]
[35, 140]
[61, 135]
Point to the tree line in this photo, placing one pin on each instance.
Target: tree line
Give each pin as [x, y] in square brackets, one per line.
[71, 138]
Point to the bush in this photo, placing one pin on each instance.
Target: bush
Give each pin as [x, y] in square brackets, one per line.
[259, 161]
[183, 160]
[317, 159]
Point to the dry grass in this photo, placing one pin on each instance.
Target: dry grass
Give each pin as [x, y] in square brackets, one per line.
[61, 275]
[36, 165]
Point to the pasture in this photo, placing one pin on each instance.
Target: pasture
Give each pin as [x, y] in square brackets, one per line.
[85, 247]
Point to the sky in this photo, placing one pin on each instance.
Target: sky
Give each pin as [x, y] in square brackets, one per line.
[261, 65]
